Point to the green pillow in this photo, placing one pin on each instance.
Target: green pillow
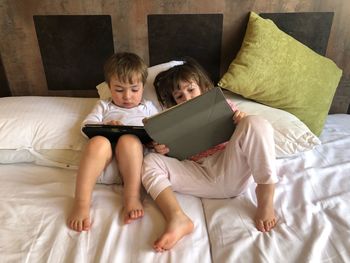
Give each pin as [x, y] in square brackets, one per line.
[275, 69]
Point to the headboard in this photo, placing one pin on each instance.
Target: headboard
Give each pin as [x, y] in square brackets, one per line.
[62, 54]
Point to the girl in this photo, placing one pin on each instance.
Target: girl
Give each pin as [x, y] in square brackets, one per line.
[223, 171]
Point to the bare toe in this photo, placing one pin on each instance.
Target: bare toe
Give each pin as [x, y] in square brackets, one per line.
[79, 219]
[133, 209]
[260, 225]
[132, 215]
[176, 229]
[86, 224]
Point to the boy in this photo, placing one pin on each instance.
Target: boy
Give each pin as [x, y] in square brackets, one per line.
[126, 74]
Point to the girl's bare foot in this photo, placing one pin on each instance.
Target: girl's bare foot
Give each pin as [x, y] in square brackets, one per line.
[265, 218]
[133, 209]
[79, 219]
[177, 227]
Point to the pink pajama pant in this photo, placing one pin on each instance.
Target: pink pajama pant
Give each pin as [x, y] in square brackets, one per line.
[249, 154]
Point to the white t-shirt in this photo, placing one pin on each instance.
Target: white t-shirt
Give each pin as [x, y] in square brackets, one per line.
[106, 110]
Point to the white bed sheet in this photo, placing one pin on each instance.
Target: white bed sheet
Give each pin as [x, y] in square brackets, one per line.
[312, 203]
[35, 202]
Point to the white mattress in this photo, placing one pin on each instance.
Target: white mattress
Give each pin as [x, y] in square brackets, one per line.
[312, 203]
[35, 202]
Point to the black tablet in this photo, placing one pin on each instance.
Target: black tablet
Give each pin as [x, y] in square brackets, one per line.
[113, 132]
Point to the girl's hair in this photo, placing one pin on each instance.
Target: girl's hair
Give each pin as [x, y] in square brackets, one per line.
[166, 82]
[125, 66]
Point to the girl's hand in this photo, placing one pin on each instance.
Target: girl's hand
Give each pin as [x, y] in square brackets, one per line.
[114, 122]
[238, 116]
[160, 148]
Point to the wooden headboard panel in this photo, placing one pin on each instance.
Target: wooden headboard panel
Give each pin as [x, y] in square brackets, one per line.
[170, 36]
[73, 49]
[58, 48]
[202, 40]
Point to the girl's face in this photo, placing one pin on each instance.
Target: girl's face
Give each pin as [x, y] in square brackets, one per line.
[187, 90]
[126, 95]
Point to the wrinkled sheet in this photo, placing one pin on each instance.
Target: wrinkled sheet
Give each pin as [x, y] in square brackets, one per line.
[35, 202]
[312, 204]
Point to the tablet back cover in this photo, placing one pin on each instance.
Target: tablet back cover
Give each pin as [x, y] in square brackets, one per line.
[194, 126]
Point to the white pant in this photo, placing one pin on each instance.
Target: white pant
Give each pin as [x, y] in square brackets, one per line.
[250, 151]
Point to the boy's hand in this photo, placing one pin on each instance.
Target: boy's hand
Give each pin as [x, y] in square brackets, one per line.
[239, 115]
[160, 148]
[114, 123]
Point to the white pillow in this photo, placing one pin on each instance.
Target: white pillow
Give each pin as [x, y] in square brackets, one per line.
[46, 127]
[46, 130]
[291, 135]
[16, 156]
[149, 92]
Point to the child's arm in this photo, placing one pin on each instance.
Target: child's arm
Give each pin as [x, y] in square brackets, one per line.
[96, 114]
[239, 115]
[114, 122]
[159, 148]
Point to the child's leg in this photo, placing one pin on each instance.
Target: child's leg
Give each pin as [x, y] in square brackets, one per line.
[178, 223]
[259, 148]
[251, 151]
[265, 218]
[96, 156]
[158, 177]
[129, 155]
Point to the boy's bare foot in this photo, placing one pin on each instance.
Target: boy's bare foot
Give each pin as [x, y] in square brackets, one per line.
[178, 227]
[79, 219]
[265, 218]
[133, 209]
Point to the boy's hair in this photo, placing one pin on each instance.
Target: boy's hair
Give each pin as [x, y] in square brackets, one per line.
[125, 65]
[166, 82]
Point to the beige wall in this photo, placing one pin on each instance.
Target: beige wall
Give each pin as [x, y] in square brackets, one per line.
[21, 56]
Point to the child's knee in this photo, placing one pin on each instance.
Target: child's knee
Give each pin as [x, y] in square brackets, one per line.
[98, 143]
[150, 164]
[256, 123]
[154, 174]
[129, 141]
[150, 160]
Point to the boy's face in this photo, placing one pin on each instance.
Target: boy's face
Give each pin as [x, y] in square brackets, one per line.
[187, 90]
[126, 95]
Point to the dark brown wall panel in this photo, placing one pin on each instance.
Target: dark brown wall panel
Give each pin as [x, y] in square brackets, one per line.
[74, 49]
[4, 86]
[311, 28]
[194, 35]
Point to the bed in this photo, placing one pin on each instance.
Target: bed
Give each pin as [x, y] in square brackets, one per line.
[41, 144]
